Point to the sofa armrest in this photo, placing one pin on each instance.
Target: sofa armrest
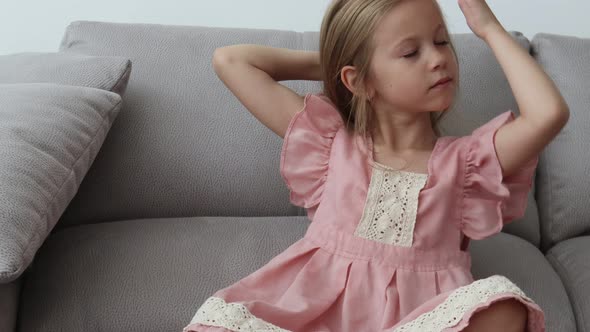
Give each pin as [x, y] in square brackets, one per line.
[9, 295]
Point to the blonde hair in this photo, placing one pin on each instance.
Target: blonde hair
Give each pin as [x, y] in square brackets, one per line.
[346, 38]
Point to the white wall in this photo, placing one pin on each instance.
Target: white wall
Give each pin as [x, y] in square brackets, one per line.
[37, 26]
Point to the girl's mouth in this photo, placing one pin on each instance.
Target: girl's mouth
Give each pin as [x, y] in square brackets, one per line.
[445, 82]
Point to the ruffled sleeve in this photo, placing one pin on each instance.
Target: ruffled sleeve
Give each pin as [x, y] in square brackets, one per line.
[305, 153]
[491, 200]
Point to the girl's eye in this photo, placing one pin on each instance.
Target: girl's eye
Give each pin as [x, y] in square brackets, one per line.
[441, 43]
[409, 55]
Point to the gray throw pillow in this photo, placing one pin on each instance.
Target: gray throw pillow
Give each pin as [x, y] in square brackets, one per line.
[102, 72]
[49, 137]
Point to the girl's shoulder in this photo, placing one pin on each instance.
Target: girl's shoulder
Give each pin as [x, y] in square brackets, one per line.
[319, 108]
[479, 141]
[306, 149]
[490, 199]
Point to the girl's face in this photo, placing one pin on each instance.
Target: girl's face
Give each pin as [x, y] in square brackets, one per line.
[412, 54]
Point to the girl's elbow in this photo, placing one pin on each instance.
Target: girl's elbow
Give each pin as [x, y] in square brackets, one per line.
[226, 56]
[558, 113]
[220, 56]
[563, 113]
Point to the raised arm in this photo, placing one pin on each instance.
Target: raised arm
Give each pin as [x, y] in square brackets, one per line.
[252, 72]
[543, 110]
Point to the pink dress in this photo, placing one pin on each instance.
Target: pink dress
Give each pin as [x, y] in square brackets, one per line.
[385, 249]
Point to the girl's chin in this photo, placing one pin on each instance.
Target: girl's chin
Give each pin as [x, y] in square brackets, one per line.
[439, 108]
[442, 105]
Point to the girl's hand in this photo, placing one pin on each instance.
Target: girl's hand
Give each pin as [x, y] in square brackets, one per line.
[480, 18]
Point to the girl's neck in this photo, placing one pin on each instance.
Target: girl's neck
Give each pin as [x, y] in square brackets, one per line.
[401, 133]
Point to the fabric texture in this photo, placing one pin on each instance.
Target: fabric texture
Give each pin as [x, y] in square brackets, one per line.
[334, 280]
[49, 136]
[9, 296]
[144, 274]
[181, 132]
[304, 164]
[486, 191]
[109, 73]
[562, 194]
[177, 263]
[570, 260]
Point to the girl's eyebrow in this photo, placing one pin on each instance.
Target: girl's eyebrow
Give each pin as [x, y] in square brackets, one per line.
[410, 38]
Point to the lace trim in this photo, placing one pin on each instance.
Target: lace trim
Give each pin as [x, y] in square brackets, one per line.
[232, 316]
[450, 312]
[392, 204]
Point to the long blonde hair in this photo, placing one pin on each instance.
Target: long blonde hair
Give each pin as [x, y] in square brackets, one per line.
[346, 38]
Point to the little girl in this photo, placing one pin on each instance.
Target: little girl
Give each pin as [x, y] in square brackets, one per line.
[392, 203]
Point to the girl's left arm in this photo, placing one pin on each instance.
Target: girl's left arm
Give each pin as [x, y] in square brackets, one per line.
[543, 110]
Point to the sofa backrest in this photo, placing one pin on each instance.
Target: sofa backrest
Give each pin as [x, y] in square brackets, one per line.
[183, 145]
[563, 177]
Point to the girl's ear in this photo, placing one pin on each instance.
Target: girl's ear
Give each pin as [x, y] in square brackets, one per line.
[348, 75]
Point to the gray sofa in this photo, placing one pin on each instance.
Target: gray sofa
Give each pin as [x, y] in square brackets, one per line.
[185, 195]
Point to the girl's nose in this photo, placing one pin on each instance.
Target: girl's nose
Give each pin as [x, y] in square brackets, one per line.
[438, 58]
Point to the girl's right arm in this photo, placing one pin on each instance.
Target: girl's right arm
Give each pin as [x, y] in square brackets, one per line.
[252, 72]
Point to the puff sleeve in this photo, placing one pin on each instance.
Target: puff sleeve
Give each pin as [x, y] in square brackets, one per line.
[491, 200]
[305, 153]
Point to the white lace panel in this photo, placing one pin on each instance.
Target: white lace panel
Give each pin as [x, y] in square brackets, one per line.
[232, 316]
[450, 312]
[390, 210]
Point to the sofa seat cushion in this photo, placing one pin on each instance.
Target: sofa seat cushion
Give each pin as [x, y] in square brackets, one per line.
[153, 274]
[144, 275]
[571, 260]
[525, 265]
